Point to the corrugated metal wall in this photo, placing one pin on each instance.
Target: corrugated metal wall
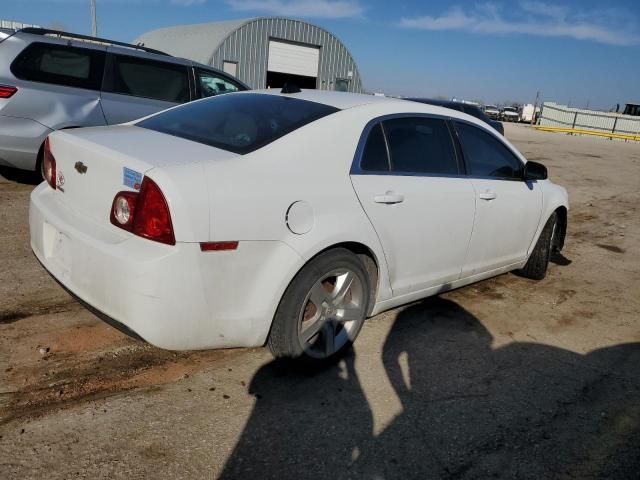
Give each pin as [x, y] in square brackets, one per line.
[249, 46]
[14, 25]
[554, 115]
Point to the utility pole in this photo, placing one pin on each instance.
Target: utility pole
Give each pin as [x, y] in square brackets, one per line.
[535, 107]
[94, 21]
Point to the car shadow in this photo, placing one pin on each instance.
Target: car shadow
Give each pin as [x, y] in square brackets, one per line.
[25, 177]
[469, 410]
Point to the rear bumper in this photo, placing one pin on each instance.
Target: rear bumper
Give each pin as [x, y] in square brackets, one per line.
[174, 297]
[20, 140]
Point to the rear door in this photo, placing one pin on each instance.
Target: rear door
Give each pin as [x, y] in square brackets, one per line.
[408, 180]
[136, 86]
[508, 208]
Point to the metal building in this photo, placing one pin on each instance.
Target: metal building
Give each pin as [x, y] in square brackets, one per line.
[11, 25]
[264, 52]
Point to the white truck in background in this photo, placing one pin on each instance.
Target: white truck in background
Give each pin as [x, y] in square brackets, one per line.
[529, 113]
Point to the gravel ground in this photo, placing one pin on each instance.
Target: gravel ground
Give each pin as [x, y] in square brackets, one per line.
[507, 378]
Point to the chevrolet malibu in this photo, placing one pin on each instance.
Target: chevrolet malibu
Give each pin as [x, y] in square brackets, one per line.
[286, 218]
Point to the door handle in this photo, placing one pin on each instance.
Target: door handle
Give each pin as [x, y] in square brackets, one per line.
[488, 195]
[389, 198]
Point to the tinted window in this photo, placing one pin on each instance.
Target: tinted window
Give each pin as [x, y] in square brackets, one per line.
[149, 78]
[485, 155]
[420, 145]
[240, 123]
[211, 84]
[60, 64]
[374, 155]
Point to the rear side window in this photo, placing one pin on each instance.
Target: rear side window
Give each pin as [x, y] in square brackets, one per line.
[420, 145]
[486, 156]
[60, 65]
[374, 155]
[146, 78]
[239, 123]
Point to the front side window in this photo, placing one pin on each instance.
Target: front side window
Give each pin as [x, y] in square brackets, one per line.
[374, 155]
[141, 77]
[211, 84]
[239, 123]
[420, 145]
[61, 65]
[485, 155]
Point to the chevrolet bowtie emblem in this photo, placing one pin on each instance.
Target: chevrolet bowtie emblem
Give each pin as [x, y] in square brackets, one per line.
[80, 167]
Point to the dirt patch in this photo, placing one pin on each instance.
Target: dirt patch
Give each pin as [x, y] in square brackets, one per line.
[64, 379]
[31, 309]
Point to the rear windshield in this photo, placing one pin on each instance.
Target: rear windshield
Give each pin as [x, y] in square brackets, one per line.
[239, 123]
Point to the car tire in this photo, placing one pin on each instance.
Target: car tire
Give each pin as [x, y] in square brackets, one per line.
[536, 266]
[38, 172]
[322, 309]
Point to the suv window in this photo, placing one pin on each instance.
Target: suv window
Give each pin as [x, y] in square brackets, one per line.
[146, 78]
[210, 84]
[485, 155]
[374, 155]
[420, 145]
[61, 65]
[239, 123]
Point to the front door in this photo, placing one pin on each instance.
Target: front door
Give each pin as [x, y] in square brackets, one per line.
[422, 209]
[508, 209]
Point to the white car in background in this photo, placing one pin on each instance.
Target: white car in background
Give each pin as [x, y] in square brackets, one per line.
[510, 114]
[287, 219]
[492, 112]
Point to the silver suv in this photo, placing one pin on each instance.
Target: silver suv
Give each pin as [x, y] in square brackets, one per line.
[50, 80]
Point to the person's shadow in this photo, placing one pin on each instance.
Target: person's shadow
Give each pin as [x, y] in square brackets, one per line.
[523, 410]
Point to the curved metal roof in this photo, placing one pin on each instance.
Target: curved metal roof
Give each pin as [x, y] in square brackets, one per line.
[197, 42]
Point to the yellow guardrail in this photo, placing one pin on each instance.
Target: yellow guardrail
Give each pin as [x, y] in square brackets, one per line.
[580, 131]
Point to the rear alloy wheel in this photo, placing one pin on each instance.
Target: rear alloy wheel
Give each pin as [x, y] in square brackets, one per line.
[323, 309]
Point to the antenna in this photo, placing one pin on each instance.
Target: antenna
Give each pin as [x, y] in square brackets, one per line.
[290, 88]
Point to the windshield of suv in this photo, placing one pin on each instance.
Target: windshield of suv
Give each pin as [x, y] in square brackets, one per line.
[509, 109]
[237, 122]
[490, 107]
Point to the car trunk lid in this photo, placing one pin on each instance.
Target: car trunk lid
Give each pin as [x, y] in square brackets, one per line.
[94, 164]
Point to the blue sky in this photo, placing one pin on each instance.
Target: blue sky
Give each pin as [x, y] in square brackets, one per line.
[496, 51]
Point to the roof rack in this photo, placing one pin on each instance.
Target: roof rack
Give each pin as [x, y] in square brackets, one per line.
[77, 36]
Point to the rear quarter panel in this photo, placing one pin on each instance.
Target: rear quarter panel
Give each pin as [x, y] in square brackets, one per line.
[250, 195]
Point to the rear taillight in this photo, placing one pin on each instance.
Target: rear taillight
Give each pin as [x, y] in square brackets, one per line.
[145, 214]
[7, 91]
[49, 165]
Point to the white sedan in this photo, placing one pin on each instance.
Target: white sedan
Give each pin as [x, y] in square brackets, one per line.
[286, 218]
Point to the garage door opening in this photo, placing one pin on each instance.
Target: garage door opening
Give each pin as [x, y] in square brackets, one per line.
[277, 80]
[292, 63]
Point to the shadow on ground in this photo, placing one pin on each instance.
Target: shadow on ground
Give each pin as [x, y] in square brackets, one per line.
[469, 411]
[25, 177]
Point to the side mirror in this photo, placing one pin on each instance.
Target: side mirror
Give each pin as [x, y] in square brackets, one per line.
[535, 171]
